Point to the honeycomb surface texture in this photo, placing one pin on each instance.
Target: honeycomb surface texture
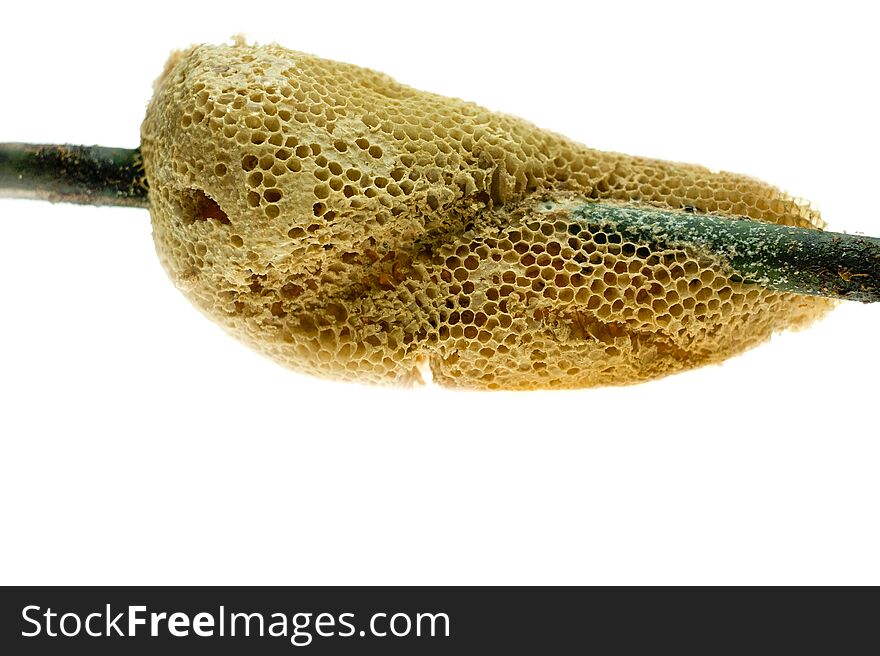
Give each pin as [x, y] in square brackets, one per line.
[354, 228]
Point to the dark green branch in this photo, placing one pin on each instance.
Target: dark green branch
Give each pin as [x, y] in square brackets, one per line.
[797, 260]
[89, 175]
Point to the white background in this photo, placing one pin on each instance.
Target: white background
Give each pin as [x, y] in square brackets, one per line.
[140, 445]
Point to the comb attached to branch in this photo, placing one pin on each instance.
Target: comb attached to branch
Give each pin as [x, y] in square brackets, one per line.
[354, 228]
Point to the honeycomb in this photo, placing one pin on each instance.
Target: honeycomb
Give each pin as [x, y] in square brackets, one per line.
[354, 228]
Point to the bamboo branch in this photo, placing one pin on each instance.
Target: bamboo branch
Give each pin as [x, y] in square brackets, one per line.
[785, 258]
[88, 175]
[796, 260]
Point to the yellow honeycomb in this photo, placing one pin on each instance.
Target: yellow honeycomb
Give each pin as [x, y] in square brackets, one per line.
[354, 228]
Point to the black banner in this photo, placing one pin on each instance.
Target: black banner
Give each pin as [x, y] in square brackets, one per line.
[412, 620]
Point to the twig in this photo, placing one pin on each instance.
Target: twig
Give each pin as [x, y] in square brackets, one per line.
[797, 260]
[785, 258]
[89, 175]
